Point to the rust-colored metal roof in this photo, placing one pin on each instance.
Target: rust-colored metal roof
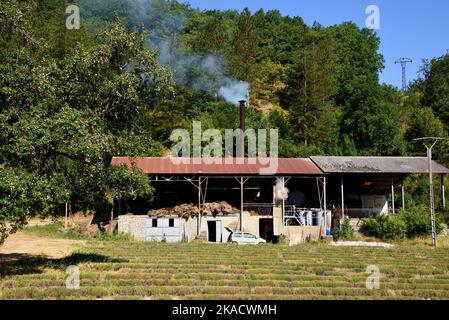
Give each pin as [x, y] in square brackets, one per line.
[222, 166]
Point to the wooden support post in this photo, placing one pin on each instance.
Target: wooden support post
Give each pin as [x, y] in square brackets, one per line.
[342, 198]
[443, 192]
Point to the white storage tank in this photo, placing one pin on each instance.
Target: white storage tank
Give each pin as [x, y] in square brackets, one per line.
[309, 218]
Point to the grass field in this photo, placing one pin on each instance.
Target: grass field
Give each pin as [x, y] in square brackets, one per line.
[131, 270]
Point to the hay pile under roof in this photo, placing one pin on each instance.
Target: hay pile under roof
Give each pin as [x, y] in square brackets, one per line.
[190, 210]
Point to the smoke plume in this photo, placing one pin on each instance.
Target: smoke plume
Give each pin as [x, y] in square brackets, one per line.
[198, 72]
[281, 191]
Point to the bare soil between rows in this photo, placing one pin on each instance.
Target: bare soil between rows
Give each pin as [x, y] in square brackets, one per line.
[20, 244]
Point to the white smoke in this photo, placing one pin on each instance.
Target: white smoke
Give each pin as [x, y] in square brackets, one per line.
[233, 90]
[199, 72]
[281, 191]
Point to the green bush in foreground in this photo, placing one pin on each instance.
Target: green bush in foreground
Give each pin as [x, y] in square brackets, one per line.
[418, 221]
[345, 232]
[385, 227]
[410, 223]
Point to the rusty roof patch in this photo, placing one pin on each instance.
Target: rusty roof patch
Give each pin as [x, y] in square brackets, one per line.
[204, 166]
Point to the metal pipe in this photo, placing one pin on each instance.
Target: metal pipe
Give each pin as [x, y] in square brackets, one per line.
[325, 203]
[403, 194]
[443, 192]
[392, 196]
[342, 198]
[241, 203]
[242, 104]
[198, 231]
[283, 206]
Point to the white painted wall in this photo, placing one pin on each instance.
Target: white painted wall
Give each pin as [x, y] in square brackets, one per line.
[163, 231]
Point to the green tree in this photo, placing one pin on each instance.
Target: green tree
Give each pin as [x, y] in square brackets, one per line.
[310, 88]
[63, 119]
[435, 87]
[245, 49]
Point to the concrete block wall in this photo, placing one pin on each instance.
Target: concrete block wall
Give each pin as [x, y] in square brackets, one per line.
[133, 225]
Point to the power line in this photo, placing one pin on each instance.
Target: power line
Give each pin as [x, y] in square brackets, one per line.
[403, 62]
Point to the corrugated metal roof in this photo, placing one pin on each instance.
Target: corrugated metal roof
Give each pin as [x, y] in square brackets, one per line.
[403, 165]
[204, 166]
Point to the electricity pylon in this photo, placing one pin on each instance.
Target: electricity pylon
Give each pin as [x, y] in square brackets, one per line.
[403, 62]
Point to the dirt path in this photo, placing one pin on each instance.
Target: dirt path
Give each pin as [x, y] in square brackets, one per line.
[21, 243]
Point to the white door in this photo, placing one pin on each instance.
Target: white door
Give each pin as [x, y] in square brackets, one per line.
[218, 231]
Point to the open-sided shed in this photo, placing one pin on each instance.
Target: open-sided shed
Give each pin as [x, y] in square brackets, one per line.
[244, 184]
[371, 179]
[318, 188]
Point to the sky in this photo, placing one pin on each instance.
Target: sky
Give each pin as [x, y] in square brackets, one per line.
[414, 29]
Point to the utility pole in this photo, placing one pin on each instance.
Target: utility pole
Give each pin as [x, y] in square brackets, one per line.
[429, 143]
[403, 62]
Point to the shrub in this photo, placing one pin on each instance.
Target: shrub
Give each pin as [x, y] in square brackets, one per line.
[443, 217]
[115, 236]
[345, 232]
[370, 227]
[385, 227]
[418, 221]
[282, 239]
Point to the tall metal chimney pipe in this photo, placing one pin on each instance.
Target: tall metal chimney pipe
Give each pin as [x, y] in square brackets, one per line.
[242, 104]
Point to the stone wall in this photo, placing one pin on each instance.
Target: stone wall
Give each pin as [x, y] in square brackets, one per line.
[133, 225]
[300, 234]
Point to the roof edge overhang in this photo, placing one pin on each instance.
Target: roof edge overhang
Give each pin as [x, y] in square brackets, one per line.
[413, 165]
[263, 167]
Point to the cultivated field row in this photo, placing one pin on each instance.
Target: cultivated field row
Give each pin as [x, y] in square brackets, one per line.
[130, 270]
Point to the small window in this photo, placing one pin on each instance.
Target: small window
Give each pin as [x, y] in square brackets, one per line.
[154, 223]
[171, 223]
[237, 235]
[250, 236]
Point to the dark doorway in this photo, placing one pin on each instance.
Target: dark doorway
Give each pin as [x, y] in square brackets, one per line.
[266, 230]
[212, 231]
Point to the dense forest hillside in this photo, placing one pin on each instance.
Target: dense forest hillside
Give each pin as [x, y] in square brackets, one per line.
[138, 69]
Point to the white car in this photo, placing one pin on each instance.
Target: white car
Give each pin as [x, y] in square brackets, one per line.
[245, 238]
